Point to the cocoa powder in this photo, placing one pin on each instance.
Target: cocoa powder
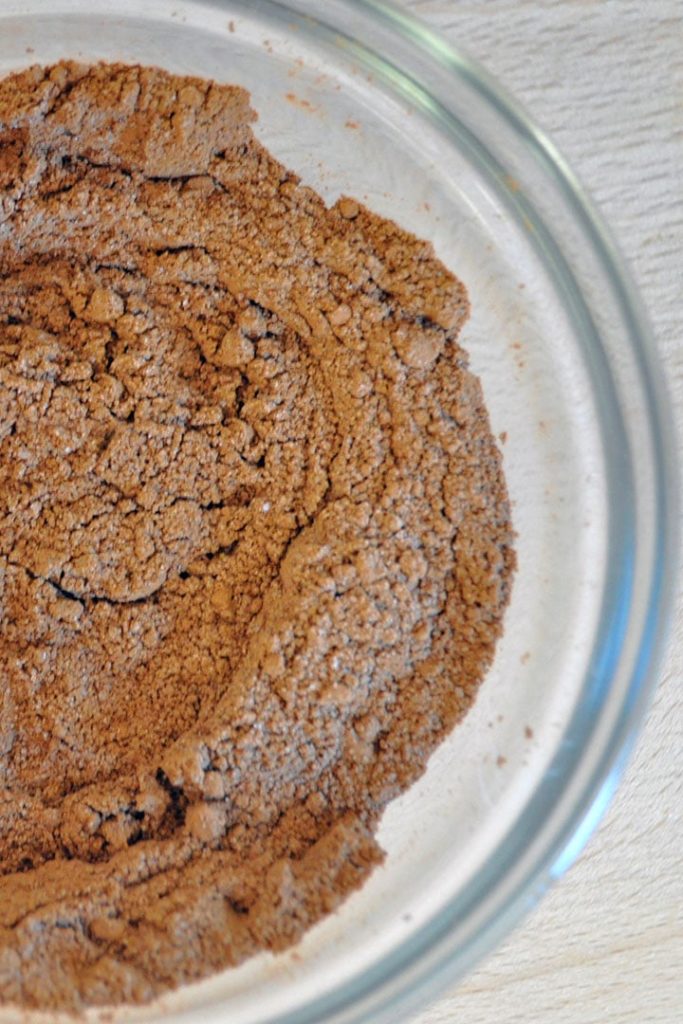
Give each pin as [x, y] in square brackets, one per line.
[255, 542]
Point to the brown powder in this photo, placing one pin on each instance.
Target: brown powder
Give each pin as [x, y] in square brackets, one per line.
[255, 542]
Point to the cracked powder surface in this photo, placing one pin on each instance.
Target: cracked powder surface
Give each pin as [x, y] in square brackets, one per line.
[255, 542]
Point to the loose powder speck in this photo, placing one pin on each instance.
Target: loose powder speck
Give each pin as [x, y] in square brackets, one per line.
[255, 542]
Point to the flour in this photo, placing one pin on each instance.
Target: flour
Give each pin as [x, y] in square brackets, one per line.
[255, 543]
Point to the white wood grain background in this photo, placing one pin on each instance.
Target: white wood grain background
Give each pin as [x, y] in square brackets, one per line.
[605, 79]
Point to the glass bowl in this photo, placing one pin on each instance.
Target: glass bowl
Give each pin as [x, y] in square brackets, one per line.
[360, 98]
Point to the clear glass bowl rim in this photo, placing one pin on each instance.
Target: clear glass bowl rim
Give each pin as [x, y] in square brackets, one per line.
[431, 959]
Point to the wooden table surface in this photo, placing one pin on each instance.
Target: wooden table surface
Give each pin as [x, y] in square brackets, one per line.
[605, 79]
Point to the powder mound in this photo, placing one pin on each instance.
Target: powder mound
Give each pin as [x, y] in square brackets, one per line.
[255, 542]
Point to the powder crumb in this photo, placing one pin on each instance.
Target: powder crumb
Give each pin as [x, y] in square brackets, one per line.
[300, 101]
[104, 306]
[341, 315]
[348, 208]
[255, 540]
[233, 350]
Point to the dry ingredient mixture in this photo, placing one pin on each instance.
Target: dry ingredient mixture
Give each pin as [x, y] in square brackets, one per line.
[255, 542]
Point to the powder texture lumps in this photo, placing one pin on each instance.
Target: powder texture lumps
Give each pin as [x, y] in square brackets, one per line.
[255, 541]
